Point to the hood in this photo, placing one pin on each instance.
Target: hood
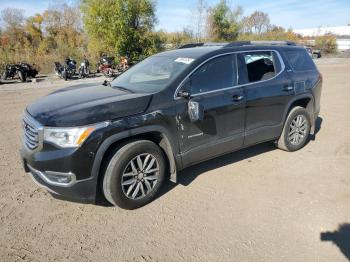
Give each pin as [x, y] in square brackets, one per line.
[87, 104]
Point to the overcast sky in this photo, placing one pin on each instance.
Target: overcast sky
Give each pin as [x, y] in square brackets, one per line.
[176, 14]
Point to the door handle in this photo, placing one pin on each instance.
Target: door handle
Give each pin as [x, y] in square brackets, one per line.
[288, 88]
[237, 98]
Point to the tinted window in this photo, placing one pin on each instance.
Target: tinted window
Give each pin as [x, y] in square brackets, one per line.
[216, 74]
[300, 60]
[257, 66]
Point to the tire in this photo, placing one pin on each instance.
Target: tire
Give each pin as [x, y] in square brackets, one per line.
[292, 141]
[81, 75]
[65, 75]
[4, 76]
[22, 76]
[119, 170]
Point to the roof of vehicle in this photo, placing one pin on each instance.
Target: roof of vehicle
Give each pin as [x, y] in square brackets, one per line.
[197, 50]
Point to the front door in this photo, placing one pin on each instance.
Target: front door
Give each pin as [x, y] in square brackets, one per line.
[213, 87]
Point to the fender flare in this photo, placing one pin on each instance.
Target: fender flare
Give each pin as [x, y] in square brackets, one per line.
[166, 144]
[299, 97]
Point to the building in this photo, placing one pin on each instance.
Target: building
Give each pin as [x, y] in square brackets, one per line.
[342, 33]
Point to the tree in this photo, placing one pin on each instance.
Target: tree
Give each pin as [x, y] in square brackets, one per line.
[258, 22]
[224, 22]
[13, 18]
[200, 16]
[122, 27]
[34, 29]
[326, 43]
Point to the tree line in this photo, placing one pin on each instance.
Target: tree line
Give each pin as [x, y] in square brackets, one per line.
[123, 28]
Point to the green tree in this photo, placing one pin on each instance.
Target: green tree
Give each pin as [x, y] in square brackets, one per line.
[224, 23]
[121, 27]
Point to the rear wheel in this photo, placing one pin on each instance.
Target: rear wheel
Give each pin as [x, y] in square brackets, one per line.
[4, 76]
[296, 130]
[134, 174]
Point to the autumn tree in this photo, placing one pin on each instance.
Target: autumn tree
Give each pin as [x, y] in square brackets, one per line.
[326, 43]
[13, 19]
[258, 22]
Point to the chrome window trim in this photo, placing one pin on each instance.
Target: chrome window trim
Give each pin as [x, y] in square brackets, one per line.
[283, 67]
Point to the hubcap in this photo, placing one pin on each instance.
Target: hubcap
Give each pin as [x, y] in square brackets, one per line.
[297, 130]
[140, 176]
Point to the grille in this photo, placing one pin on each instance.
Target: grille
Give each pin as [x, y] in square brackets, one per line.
[31, 132]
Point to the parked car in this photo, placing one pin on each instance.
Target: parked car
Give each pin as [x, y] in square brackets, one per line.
[168, 112]
[313, 52]
[22, 71]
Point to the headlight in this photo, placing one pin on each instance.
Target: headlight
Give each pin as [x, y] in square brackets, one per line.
[70, 136]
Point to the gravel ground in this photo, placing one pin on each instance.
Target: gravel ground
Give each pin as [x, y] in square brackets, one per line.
[259, 204]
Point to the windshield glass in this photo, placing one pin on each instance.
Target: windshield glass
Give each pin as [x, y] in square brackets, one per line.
[152, 74]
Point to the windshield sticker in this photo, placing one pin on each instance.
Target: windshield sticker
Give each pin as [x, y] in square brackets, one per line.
[184, 60]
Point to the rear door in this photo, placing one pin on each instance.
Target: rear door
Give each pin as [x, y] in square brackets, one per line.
[213, 86]
[267, 89]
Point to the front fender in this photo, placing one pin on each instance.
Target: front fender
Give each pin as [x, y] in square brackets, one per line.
[167, 144]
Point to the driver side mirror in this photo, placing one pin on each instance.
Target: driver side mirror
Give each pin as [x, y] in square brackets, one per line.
[184, 94]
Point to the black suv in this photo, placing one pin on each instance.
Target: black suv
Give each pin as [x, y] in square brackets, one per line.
[121, 140]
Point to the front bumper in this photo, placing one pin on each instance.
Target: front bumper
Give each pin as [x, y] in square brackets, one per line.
[82, 191]
[41, 166]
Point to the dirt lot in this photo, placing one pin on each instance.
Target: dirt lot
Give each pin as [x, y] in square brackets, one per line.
[259, 204]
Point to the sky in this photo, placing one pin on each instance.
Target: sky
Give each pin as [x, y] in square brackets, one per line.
[174, 15]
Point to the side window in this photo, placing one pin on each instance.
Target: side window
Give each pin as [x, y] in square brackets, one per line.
[300, 60]
[257, 66]
[216, 74]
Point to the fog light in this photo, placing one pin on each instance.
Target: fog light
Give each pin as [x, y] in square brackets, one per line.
[59, 178]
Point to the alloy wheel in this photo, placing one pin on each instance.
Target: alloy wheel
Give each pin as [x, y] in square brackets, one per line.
[140, 176]
[297, 130]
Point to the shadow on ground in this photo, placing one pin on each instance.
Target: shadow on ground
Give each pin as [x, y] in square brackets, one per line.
[318, 125]
[340, 237]
[188, 175]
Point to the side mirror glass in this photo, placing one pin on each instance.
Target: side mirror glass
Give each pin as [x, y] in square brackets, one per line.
[195, 111]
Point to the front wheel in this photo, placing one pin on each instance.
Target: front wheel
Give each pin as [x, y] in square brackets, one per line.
[296, 130]
[22, 76]
[65, 75]
[134, 174]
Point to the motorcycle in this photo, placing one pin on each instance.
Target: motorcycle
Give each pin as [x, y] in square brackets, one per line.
[30, 70]
[23, 70]
[84, 69]
[105, 66]
[67, 70]
[123, 65]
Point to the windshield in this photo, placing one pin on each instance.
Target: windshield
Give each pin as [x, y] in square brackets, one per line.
[152, 74]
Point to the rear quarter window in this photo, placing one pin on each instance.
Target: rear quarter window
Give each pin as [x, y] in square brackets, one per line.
[300, 60]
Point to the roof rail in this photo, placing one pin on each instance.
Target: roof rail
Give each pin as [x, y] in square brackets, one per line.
[190, 45]
[243, 43]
